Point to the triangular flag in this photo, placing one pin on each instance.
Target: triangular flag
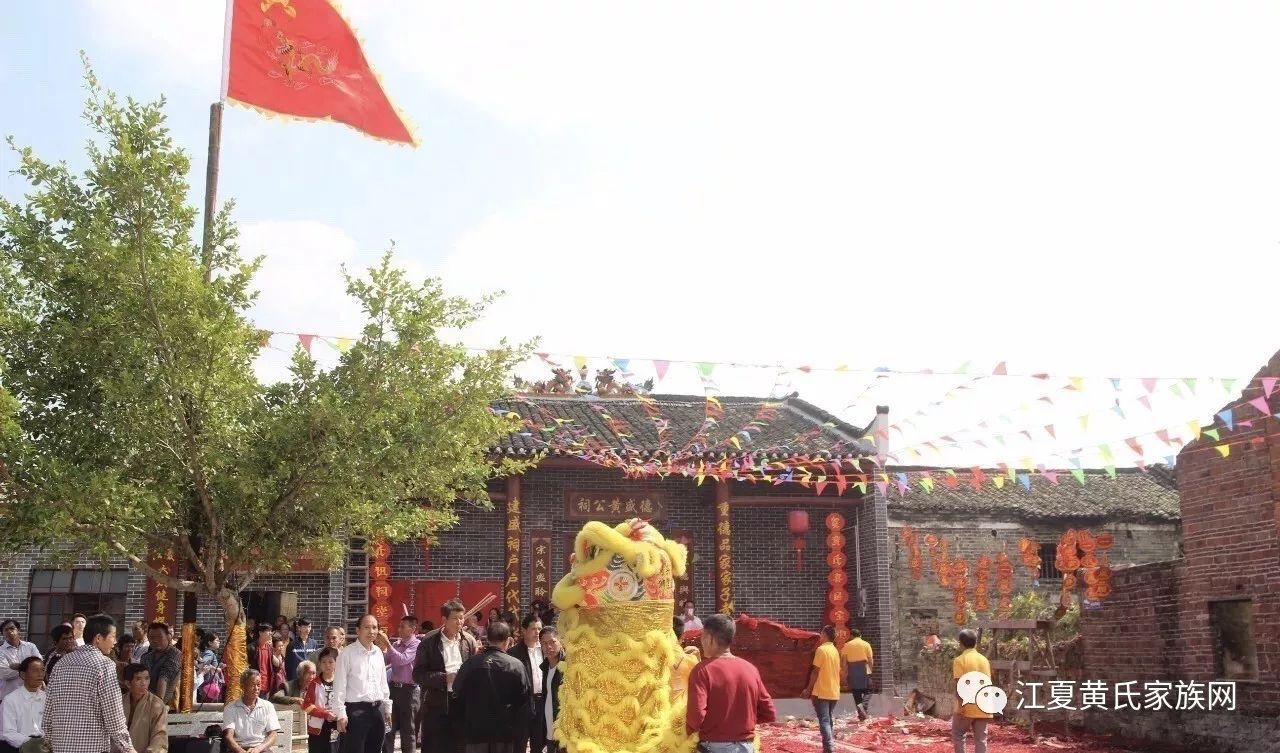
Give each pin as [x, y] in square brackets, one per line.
[998, 481]
[1194, 426]
[1229, 385]
[927, 484]
[976, 477]
[1163, 435]
[883, 488]
[1079, 474]
[705, 368]
[1228, 418]
[344, 344]
[1025, 480]
[621, 364]
[1084, 423]
[1191, 384]
[1261, 404]
[660, 367]
[1170, 460]
[1077, 383]
[1049, 430]
[303, 60]
[1111, 471]
[1212, 434]
[1149, 384]
[1115, 384]
[1269, 385]
[305, 340]
[1105, 452]
[1000, 369]
[1133, 445]
[1052, 476]
[1145, 400]
[580, 362]
[1175, 389]
[1118, 410]
[1224, 449]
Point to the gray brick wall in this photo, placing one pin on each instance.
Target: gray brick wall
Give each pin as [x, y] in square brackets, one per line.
[766, 582]
[471, 550]
[971, 538]
[877, 624]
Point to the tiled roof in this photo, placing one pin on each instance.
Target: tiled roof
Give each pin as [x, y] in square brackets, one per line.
[1132, 496]
[787, 426]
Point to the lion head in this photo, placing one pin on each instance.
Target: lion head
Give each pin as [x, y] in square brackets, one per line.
[624, 563]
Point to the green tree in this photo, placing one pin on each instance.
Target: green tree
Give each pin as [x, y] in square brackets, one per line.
[134, 422]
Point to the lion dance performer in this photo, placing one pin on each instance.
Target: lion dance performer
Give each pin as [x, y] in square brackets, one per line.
[617, 604]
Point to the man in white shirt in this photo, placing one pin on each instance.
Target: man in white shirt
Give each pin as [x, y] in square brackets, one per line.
[529, 652]
[77, 628]
[552, 677]
[23, 709]
[441, 653]
[12, 651]
[691, 621]
[361, 698]
[250, 727]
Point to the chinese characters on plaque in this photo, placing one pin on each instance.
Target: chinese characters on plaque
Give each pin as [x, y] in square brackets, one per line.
[540, 565]
[380, 582]
[511, 571]
[724, 559]
[160, 599]
[614, 507]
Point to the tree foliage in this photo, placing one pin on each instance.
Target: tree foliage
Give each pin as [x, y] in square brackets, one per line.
[135, 422]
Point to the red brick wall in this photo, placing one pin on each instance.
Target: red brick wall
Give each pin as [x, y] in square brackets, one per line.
[1156, 622]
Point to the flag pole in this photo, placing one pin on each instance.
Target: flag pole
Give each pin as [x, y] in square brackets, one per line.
[215, 151]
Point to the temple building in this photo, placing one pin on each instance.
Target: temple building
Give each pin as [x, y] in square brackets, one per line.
[772, 498]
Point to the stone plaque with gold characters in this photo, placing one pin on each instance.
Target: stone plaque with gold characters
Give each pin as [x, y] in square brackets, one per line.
[614, 505]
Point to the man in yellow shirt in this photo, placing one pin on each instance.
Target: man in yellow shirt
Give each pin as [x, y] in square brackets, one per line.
[824, 685]
[858, 657]
[967, 715]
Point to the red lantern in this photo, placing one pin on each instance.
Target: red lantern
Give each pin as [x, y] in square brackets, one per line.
[835, 521]
[798, 523]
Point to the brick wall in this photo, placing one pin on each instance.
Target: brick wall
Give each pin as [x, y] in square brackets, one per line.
[877, 617]
[766, 582]
[1134, 543]
[1231, 551]
[471, 550]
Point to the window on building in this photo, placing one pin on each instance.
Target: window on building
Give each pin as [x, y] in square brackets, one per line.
[1048, 559]
[1233, 646]
[56, 595]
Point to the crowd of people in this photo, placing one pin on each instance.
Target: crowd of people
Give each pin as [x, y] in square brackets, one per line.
[464, 687]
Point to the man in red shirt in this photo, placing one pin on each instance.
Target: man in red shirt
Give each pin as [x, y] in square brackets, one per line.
[726, 695]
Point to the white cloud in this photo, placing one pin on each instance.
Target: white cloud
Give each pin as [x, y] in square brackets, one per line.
[1081, 189]
[179, 41]
[302, 287]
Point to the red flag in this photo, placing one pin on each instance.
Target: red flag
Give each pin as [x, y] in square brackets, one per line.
[301, 59]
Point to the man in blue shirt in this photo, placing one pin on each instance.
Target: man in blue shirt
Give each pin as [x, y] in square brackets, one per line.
[301, 645]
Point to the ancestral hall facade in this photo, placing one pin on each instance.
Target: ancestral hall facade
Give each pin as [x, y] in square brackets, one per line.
[774, 549]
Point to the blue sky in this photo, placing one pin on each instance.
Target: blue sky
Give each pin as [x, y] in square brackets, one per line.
[1083, 189]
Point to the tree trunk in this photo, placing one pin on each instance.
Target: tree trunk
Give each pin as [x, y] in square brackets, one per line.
[236, 655]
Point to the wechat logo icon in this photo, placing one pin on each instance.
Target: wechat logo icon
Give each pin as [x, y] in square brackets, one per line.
[976, 688]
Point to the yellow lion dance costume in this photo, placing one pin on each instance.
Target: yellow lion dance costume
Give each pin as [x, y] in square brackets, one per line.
[617, 606]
